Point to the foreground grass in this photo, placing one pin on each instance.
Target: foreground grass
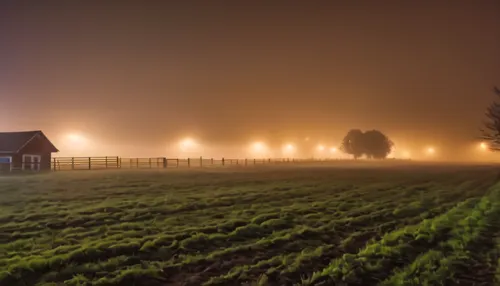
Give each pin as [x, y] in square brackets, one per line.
[410, 225]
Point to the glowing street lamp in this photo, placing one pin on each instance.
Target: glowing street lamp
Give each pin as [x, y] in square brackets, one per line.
[76, 139]
[333, 150]
[75, 143]
[431, 151]
[187, 144]
[259, 149]
[288, 149]
[483, 146]
[321, 148]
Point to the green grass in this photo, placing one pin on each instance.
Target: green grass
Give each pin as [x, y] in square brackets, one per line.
[314, 225]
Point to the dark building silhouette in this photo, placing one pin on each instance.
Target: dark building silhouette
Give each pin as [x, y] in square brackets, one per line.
[27, 150]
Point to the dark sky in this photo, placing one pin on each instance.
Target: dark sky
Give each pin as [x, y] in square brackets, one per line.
[227, 72]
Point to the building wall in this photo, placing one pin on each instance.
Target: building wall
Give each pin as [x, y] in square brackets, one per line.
[45, 160]
[5, 163]
[38, 146]
[17, 161]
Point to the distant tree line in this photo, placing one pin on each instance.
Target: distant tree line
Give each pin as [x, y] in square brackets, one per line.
[373, 144]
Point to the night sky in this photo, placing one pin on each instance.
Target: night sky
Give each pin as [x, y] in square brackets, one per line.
[141, 74]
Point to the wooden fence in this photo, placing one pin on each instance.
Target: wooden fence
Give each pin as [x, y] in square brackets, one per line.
[99, 163]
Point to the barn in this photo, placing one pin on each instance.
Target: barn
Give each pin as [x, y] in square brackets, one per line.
[27, 150]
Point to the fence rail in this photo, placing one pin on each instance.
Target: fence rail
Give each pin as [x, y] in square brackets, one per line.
[115, 162]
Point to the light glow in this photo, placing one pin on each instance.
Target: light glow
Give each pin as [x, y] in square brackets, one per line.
[392, 153]
[288, 149]
[259, 149]
[406, 155]
[483, 146]
[187, 144]
[321, 148]
[75, 144]
[76, 139]
[431, 150]
[333, 150]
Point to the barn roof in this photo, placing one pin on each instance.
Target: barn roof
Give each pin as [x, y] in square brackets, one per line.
[13, 142]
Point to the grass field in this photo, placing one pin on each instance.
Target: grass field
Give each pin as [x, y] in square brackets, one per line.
[392, 225]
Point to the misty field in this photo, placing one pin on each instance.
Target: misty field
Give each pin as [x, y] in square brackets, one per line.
[392, 225]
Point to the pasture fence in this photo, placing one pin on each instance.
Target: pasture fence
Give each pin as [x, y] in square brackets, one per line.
[115, 162]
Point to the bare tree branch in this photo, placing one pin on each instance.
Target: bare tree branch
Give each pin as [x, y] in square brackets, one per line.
[491, 130]
[496, 90]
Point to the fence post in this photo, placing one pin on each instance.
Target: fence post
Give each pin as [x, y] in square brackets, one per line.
[164, 163]
[246, 162]
[269, 160]
[189, 163]
[254, 162]
[222, 161]
[106, 162]
[212, 161]
[137, 163]
[72, 163]
[54, 159]
[177, 160]
[201, 162]
[90, 163]
[149, 163]
[118, 162]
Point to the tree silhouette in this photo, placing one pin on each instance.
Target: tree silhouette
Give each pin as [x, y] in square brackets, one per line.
[353, 143]
[376, 144]
[491, 131]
